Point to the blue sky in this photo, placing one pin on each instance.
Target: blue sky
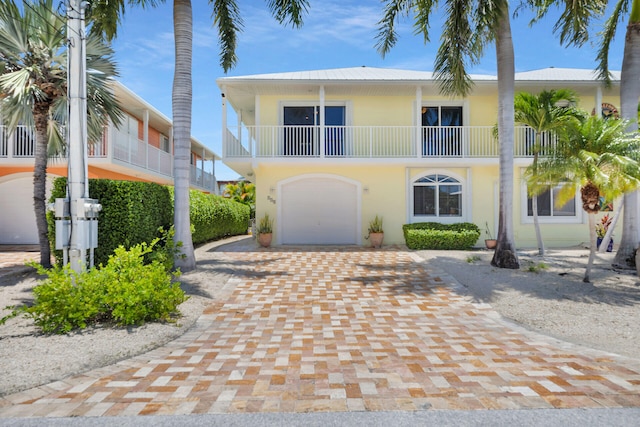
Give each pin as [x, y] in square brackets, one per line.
[336, 34]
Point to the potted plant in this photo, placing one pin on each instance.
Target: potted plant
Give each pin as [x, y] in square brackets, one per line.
[489, 242]
[265, 231]
[601, 231]
[376, 234]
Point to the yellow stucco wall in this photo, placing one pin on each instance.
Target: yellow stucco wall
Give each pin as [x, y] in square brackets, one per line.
[385, 193]
[386, 188]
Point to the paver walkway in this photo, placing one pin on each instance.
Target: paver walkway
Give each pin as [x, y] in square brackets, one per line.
[342, 329]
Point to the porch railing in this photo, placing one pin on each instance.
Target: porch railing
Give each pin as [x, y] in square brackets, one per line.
[114, 145]
[377, 142]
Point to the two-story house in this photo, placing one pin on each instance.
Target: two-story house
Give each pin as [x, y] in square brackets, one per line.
[331, 149]
[141, 149]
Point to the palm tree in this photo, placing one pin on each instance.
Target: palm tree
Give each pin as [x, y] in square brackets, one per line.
[629, 95]
[105, 16]
[595, 155]
[33, 83]
[469, 26]
[543, 113]
[243, 192]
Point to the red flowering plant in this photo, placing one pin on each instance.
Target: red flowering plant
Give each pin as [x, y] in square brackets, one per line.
[603, 226]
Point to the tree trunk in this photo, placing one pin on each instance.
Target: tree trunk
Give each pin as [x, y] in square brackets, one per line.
[629, 95]
[181, 100]
[505, 254]
[40, 183]
[592, 246]
[534, 202]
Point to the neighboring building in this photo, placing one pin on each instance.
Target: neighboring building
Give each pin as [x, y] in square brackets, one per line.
[331, 149]
[140, 150]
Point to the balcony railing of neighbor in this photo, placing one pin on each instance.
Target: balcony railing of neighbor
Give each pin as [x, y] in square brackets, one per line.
[378, 142]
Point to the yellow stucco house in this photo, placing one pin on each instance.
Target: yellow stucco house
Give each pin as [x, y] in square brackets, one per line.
[329, 150]
[141, 149]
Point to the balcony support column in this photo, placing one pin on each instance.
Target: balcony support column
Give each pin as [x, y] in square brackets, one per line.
[145, 135]
[202, 166]
[418, 121]
[598, 106]
[256, 136]
[321, 120]
[224, 123]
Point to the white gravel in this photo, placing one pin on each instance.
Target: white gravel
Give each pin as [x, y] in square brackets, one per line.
[604, 315]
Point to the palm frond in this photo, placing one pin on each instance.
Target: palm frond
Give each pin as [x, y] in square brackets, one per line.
[226, 16]
[289, 11]
[606, 37]
[387, 36]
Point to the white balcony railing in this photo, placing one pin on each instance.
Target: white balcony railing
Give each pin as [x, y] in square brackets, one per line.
[114, 145]
[376, 142]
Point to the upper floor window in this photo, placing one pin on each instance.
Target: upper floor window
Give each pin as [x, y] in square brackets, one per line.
[437, 195]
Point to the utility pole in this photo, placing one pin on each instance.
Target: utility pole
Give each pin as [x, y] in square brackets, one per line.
[77, 215]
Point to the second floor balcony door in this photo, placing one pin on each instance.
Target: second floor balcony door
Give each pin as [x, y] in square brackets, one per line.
[302, 131]
[441, 131]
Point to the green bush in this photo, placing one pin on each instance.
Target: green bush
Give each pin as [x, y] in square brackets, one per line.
[214, 217]
[126, 291]
[132, 213]
[137, 212]
[434, 235]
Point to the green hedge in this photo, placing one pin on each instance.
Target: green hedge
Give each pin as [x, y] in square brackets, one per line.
[132, 212]
[214, 217]
[434, 235]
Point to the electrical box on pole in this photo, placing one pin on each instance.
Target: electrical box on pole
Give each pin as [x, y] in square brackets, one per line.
[81, 229]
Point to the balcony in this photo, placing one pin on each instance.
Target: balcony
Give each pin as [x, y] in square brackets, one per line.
[116, 151]
[375, 142]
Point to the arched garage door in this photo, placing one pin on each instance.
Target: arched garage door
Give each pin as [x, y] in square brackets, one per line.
[319, 210]
[17, 219]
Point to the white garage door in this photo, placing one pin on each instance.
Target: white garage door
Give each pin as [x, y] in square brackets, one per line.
[319, 210]
[17, 220]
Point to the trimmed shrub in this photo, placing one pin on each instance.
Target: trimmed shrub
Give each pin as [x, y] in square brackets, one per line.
[136, 212]
[434, 235]
[132, 212]
[214, 217]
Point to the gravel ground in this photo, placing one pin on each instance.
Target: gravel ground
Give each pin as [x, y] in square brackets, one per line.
[553, 301]
[547, 295]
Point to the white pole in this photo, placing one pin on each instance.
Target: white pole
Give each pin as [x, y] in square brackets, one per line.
[77, 139]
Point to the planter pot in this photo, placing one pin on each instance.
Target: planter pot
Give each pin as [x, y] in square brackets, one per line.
[265, 239]
[376, 239]
[609, 247]
[490, 243]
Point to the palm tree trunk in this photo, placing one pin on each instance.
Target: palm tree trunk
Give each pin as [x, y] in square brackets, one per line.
[505, 254]
[40, 184]
[592, 246]
[629, 95]
[534, 205]
[182, 99]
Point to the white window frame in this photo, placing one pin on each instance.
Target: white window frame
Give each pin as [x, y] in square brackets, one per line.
[464, 205]
[526, 219]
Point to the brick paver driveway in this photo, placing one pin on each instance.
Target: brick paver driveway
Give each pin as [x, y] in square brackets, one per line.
[342, 329]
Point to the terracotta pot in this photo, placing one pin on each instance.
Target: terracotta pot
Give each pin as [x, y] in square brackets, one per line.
[265, 239]
[490, 243]
[376, 239]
